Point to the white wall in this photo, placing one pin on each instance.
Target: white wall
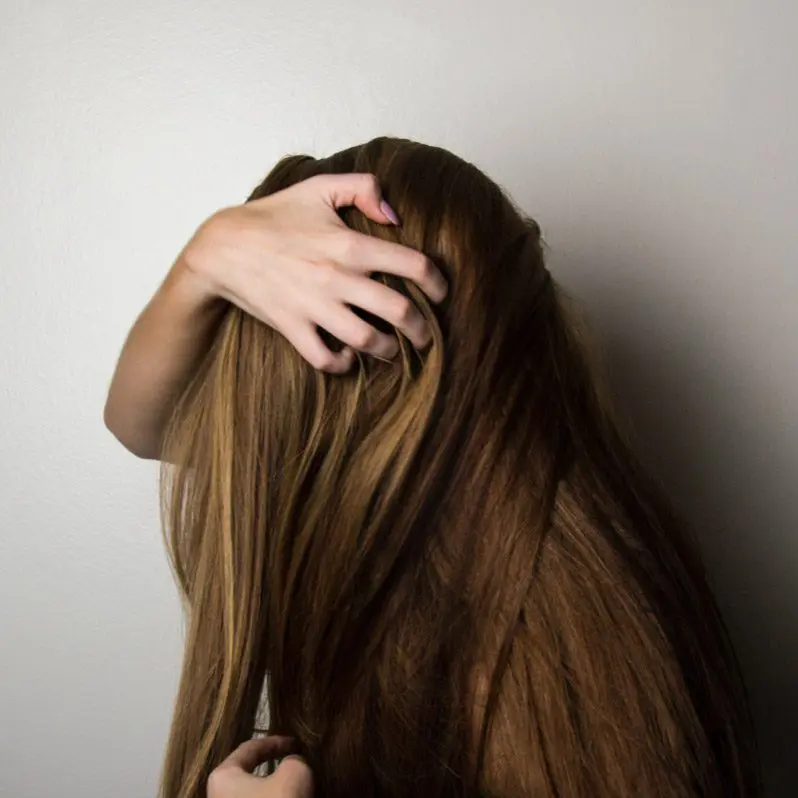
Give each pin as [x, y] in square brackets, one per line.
[655, 142]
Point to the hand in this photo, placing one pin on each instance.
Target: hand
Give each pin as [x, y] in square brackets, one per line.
[290, 261]
[234, 779]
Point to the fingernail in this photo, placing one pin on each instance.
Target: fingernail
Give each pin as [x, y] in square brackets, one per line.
[389, 212]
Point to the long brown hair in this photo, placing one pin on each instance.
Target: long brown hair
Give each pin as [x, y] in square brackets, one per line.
[449, 571]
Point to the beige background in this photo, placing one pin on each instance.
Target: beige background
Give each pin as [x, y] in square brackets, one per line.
[655, 142]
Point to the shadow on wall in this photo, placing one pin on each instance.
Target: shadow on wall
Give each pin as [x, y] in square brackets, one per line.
[704, 427]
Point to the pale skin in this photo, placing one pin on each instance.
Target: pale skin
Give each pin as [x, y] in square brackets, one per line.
[286, 259]
[289, 261]
[234, 777]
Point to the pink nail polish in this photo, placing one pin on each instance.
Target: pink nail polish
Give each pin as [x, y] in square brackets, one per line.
[389, 212]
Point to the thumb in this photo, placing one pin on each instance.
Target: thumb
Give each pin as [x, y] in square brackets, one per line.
[294, 778]
[361, 190]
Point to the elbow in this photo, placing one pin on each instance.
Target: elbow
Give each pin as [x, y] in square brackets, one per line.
[136, 444]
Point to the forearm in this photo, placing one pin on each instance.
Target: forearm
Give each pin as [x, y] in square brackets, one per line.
[161, 353]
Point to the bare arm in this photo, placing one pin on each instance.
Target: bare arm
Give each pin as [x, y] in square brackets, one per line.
[286, 259]
[161, 353]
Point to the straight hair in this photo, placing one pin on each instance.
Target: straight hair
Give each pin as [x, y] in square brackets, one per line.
[449, 572]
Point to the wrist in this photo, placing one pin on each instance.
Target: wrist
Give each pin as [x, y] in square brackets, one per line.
[191, 287]
[197, 269]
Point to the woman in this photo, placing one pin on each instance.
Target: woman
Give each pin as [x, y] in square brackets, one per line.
[444, 562]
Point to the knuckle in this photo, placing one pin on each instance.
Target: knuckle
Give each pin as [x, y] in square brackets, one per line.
[423, 268]
[326, 274]
[347, 245]
[402, 310]
[371, 183]
[364, 337]
[322, 360]
[313, 185]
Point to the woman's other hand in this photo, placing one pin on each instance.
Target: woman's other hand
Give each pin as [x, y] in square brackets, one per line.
[234, 777]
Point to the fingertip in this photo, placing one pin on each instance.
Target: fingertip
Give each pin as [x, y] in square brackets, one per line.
[253, 752]
[389, 213]
[441, 288]
[295, 777]
[344, 360]
[297, 757]
[437, 294]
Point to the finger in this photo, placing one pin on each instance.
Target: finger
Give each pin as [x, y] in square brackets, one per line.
[389, 305]
[361, 190]
[369, 254]
[294, 777]
[252, 753]
[348, 327]
[308, 343]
